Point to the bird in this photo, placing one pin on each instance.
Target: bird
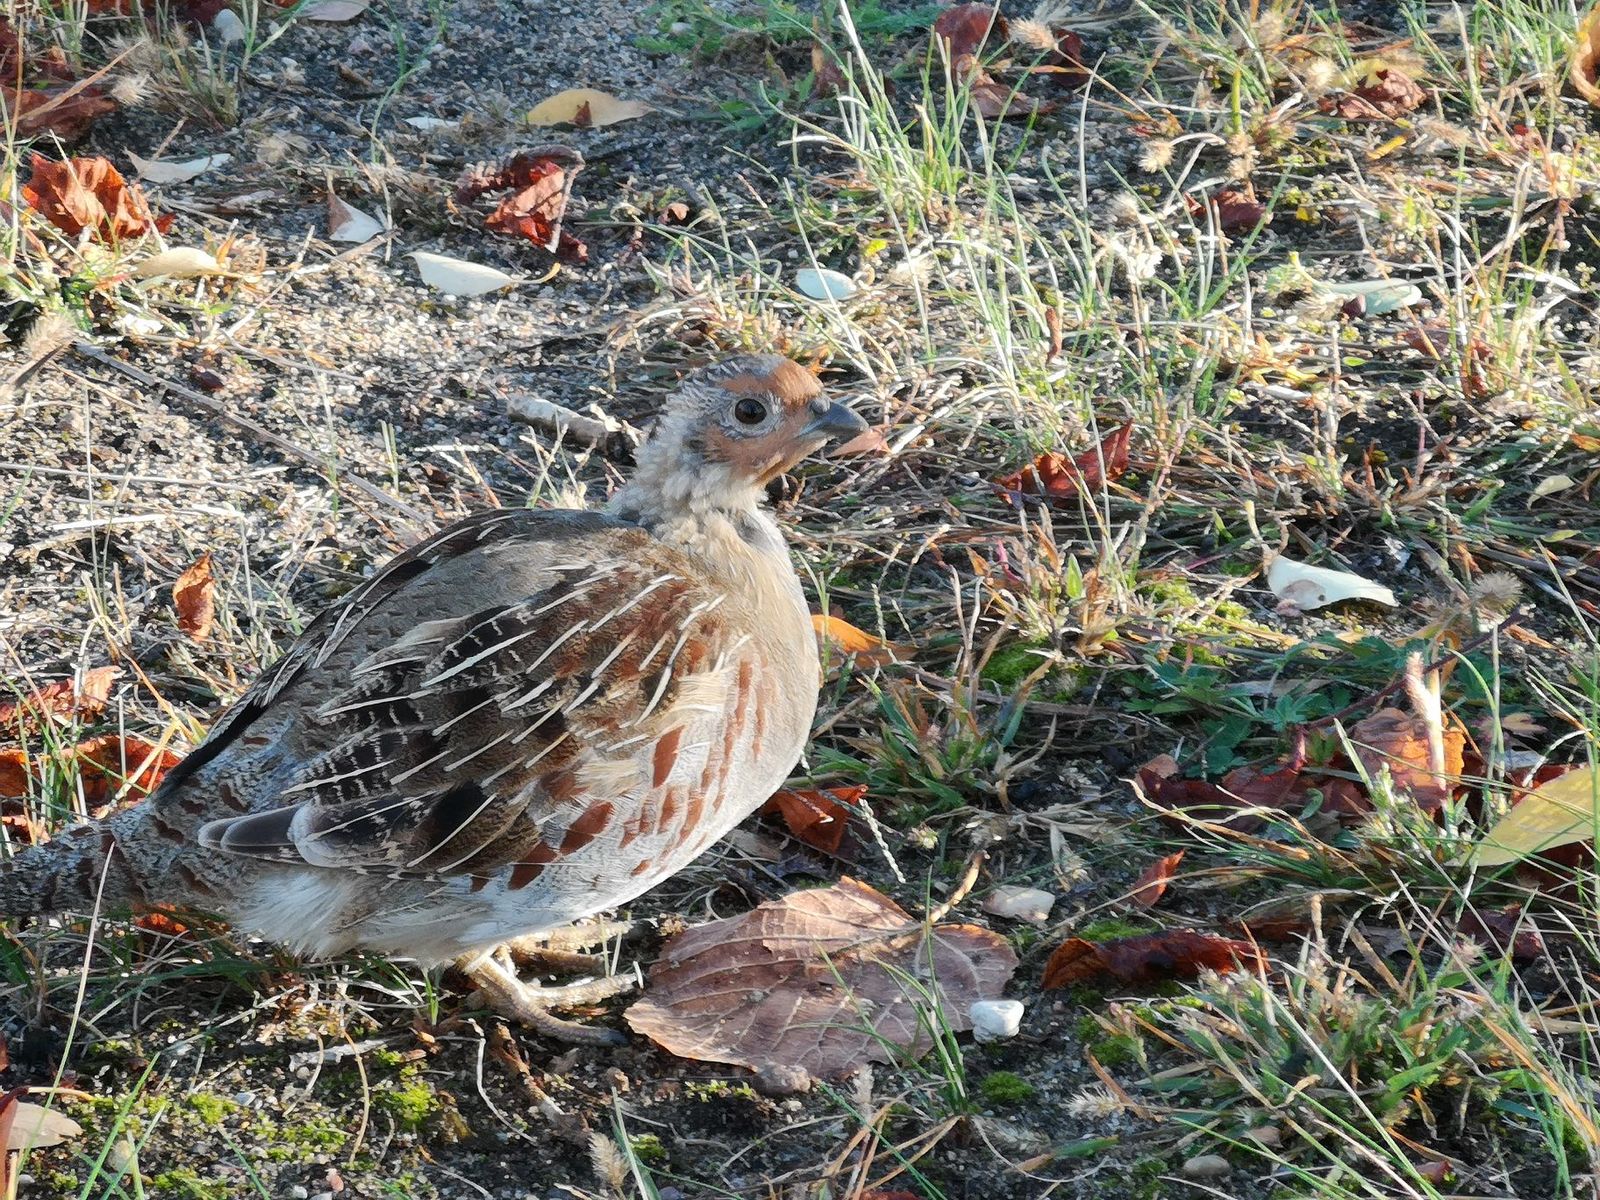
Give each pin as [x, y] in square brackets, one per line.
[533, 716]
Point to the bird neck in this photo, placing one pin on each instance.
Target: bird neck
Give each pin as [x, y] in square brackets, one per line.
[702, 512]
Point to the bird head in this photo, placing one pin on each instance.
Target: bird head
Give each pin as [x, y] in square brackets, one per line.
[733, 427]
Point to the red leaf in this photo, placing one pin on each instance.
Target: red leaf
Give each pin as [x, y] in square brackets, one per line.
[540, 180]
[1236, 211]
[967, 28]
[1064, 65]
[1061, 478]
[87, 193]
[1391, 94]
[817, 818]
[996, 101]
[62, 698]
[1152, 884]
[1506, 930]
[1171, 954]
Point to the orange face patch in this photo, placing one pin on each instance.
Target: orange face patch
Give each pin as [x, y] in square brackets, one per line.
[788, 383]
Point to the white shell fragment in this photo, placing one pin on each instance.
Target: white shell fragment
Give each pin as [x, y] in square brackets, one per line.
[456, 277]
[1379, 296]
[822, 284]
[1020, 903]
[228, 27]
[334, 11]
[995, 1020]
[166, 170]
[347, 224]
[428, 124]
[1303, 587]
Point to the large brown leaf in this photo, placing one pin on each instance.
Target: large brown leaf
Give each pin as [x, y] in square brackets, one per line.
[194, 598]
[814, 981]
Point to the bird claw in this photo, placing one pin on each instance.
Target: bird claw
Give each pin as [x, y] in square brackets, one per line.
[518, 999]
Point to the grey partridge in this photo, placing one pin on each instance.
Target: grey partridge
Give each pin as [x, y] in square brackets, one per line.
[526, 719]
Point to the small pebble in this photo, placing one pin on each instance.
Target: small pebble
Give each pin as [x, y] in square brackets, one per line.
[1207, 1166]
[298, 1193]
[995, 1020]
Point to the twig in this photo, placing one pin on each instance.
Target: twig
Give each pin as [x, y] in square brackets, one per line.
[615, 439]
[969, 878]
[218, 409]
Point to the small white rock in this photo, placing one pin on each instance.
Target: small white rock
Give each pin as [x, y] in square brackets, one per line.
[1207, 1166]
[822, 284]
[995, 1020]
[227, 26]
[1021, 903]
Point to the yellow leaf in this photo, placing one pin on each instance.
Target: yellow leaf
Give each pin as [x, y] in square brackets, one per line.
[1586, 58]
[847, 639]
[585, 107]
[1553, 814]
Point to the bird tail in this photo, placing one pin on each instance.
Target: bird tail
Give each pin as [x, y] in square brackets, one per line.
[83, 869]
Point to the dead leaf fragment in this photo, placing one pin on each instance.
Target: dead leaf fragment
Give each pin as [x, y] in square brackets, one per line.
[88, 194]
[1399, 741]
[1585, 70]
[812, 981]
[847, 639]
[818, 817]
[1058, 477]
[1149, 957]
[63, 698]
[965, 29]
[113, 768]
[1235, 211]
[1388, 94]
[194, 596]
[1152, 884]
[540, 181]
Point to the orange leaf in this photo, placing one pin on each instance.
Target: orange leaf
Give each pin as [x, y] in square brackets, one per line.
[817, 818]
[540, 181]
[13, 774]
[87, 193]
[113, 767]
[1171, 954]
[847, 639]
[1152, 884]
[62, 698]
[194, 596]
[1586, 59]
[1061, 478]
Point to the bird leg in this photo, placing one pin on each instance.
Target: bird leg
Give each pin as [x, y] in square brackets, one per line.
[529, 1003]
[555, 952]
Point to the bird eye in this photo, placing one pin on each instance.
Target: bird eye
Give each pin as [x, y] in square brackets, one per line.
[750, 411]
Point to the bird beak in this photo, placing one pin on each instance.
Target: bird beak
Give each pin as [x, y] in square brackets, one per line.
[830, 421]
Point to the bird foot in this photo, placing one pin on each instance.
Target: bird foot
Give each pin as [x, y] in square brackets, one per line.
[520, 1000]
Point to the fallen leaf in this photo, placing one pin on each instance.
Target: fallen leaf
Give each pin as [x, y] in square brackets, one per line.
[816, 981]
[351, 225]
[34, 1127]
[1235, 211]
[1146, 958]
[1399, 741]
[180, 262]
[585, 107]
[1302, 587]
[116, 768]
[457, 277]
[88, 193]
[1549, 486]
[817, 818]
[163, 171]
[1241, 800]
[64, 698]
[1389, 93]
[819, 283]
[194, 597]
[14, 774]
[1506, 929]
[540, 181]
[847, 639]
[1152, 884]
[1555, 813]
[1020, 903]
[1064, 65]
[965, 29]
[997, 101]
[1060, 478]
[1586, 58]
[40, 95]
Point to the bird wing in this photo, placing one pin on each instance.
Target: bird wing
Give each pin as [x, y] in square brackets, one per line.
[423, 745]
